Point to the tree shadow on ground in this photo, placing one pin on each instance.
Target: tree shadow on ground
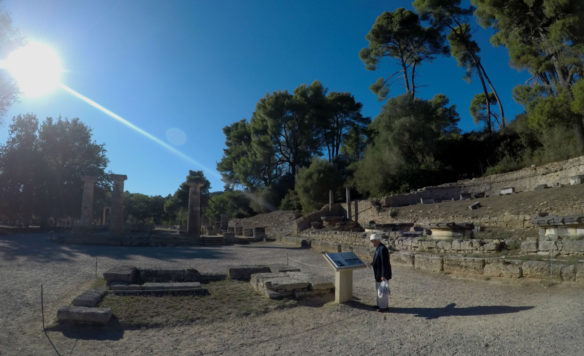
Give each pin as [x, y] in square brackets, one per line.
[111, 331]
[39, 248]
[34, 246]
[449, 310]
[275, 247]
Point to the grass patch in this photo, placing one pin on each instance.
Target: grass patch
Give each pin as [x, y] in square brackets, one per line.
[227, 300]
[98, 282]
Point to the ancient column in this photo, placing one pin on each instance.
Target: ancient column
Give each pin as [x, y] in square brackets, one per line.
[348, 194]
[330, 200]
[117, 208]
[194, 218]
[87, 201]
[224, 222]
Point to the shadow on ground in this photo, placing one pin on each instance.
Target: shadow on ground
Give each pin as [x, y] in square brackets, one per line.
[275, 247]
[38, 247]
[449, 310]
[112, 331]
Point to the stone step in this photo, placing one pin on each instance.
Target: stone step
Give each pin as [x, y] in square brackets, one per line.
[243, 273]
[87, 315]
[124, 274]
[176, 288]
[90, 298]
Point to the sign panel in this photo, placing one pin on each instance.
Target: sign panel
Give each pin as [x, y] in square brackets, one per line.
[343, 260]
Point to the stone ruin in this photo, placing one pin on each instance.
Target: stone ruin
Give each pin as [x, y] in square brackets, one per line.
[275, 282]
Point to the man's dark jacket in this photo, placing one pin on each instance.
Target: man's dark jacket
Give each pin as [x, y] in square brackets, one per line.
[381, 265]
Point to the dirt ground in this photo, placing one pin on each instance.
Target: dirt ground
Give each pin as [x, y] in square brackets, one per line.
[429, 313]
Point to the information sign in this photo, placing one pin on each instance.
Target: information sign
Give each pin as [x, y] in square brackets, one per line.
[343, 260]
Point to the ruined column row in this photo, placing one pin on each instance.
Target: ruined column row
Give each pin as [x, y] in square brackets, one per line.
[117, 208]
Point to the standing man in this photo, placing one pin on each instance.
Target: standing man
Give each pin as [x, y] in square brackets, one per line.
[381, 270]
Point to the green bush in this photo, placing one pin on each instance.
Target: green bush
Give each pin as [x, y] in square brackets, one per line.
[313, 184]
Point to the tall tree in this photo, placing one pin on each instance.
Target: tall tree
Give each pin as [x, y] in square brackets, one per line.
[344, 117]
[288, 122]
[141, 208]
[403, 150]
[545, 37]
[68, 154]
[449, 16]
[42, 168]
[10, 39]
[20, 168]
[400, 35]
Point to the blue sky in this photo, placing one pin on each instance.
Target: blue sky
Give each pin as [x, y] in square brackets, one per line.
[184, 69]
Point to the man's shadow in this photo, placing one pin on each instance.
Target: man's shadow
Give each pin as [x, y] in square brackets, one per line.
[449, 310]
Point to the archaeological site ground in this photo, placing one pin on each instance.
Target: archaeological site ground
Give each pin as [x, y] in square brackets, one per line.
[491, 271]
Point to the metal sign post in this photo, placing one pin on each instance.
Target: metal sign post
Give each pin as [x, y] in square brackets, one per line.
[343, 263]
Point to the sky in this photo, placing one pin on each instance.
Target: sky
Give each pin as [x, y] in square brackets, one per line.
[182, 70]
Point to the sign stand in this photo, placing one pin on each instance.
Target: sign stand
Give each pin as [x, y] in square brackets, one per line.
[343, 263]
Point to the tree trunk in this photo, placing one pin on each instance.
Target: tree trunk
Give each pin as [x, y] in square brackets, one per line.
[494, 92]
[487, 101]
[579, 133]
[413, 83]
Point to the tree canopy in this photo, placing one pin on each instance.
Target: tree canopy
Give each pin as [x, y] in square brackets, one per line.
[400, 35]
[41, 168]
[545, 37]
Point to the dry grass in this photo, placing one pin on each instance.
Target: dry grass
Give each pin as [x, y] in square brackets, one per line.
[226, 300]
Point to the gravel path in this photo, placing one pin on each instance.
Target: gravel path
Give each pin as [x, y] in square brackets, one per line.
[429, 313]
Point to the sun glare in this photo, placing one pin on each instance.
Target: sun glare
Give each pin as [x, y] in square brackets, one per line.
[36, 68]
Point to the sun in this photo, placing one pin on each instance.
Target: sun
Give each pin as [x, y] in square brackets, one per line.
[35, 67]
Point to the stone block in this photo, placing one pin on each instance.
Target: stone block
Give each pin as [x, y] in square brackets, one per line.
[150, 286]
[573, 247]
[90, 298]
[580, 272]
[124, 274]
[257, 279]
[529, 246]
[568, 272]
[507, 191]
[285, 284]
[576, 180]
[403, 258]
[460, 264]
[315, 282]
[545, 246]
[444, 245]
[466, 245]
[475, 205]
[492, 246]
[168, 275]
[536, 269]
[125, 287]
[163, 288]
[243, 273]
[508, 269]
[428, 245]
[277, 295]
[212, 277]
[432, 263]
[456, 245]
[86, 315]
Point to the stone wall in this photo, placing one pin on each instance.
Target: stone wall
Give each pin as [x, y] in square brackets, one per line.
[276, 223]
[551, 269]
[527, 179]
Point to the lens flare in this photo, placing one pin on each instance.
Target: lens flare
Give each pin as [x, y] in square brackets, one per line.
[35, 67]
